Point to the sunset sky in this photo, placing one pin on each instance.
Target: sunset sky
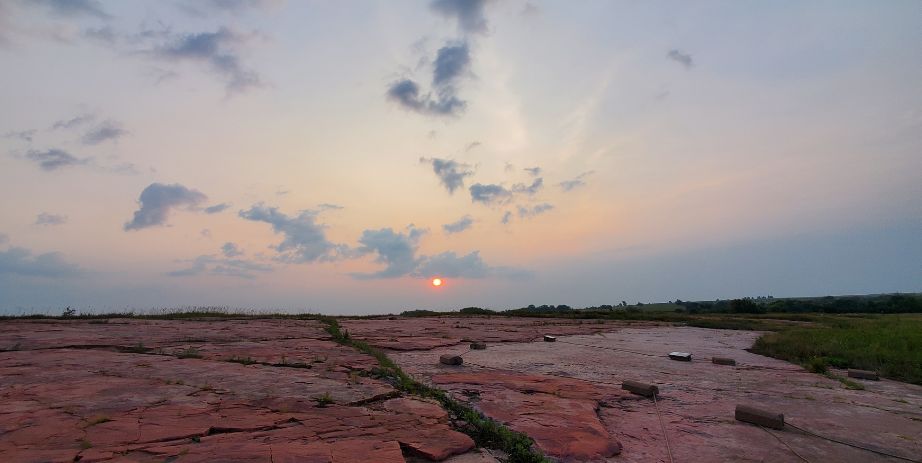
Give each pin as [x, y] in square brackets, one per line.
[334, 156]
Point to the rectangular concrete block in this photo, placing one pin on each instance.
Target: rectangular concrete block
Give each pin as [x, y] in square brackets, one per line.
[451, 359]
[680, 356]
[864, 374]
[757, 416]
[549, 338]
[636, 387]
[478, 345]
[723, 361]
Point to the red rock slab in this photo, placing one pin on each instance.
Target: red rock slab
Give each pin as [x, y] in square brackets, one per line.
[530, 384]
[408, 334]
[307, 353]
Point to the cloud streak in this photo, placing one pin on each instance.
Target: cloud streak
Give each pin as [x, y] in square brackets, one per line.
[305, 239]
[108, 130]
[681, 57]
[21, 261]
[54, 159]
[218, 50]
[576, 182]
[450, 173]
[46, 219]
[458, 226]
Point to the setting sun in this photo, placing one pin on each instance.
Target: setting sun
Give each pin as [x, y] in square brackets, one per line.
[436, 282]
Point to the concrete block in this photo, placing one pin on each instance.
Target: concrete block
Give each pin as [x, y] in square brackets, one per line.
[723, 361]
[451, 359]
[477, 345]
[549, 338]
[753, 415]
[864, 374]
[636, 387]
[680, 356]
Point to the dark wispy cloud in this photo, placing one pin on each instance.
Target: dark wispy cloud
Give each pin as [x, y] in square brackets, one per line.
[489, 194]
[24, 135]
[72, 8]
[459, 225]
[219, 50]
[396, 250]
[231, 250]
[533, 171]
[450, 265]
[469, 14]
[529, 190]
[451, 173]
[54, 159]
[206, 7]
[47, 219]
[108, 130]
[472, 145]
[576, 182]
[21, 261]
[156, 202]
[216, 208]
[681, 57]
[305, 238]
[213, 265]
[452, 61]
[526, 212]
[73, 122]
[507, 217]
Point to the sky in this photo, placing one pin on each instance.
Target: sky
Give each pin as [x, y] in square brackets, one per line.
[333, 157]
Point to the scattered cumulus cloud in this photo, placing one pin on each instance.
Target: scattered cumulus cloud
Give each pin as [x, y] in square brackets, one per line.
[73, 8]
[526, 212]
[576, 182]
[489, 194]
[469, 14]
[108, 130]
[231, 250]
[681, 57]
[305, 239]
[452, 61]
[450, 265]
[21, 261]
[507, 217]
[533, 171]
[216, 208]
[396, 250]
[46, 219]
[24, 135]
[451, 173]
[156, 202]
[219, 50]
[471, 146]
[459, 225]
[529, 190]
[73, 122]
[54, 159]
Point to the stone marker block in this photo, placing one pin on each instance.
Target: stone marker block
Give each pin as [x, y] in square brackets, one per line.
[723, 361]
[680, 356]
[549, 338]
[759, 417]
[636, 387]
[478, 345]
[451, 359]
[864, 374]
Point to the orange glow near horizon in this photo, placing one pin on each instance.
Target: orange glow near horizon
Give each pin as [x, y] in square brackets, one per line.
[436, 282]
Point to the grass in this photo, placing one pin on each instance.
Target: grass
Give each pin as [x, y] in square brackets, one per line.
[485, 431]
[323, 400]
[888, 344]
[189, 353]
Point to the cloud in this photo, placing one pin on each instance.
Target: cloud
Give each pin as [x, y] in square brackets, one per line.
[533, 171]
[73, 8]
[54, 159]
[529, 190]
[507, 217]
[459, 225]
[468, 13]
[489, 194]
[4, 238]
[450, 265]
[471, 146]
[529, 212]
[108, 130]
[205, 7]
[231, 250]
[216, 49]
[157, 200]
[216, 208]
[681, 57]
[451, 173]
[73, 122]
[20, 261]
[47, 219]
[25, 135]
[451, 62]
[576, 182]
[211, 265]
[305, 239]
[397, 251]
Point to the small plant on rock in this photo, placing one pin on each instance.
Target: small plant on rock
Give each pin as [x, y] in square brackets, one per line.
[324, 400]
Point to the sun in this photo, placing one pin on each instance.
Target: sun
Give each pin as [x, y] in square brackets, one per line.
[436, 282]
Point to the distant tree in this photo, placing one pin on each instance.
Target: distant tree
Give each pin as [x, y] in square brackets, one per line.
[745, 306]
[476, 311]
